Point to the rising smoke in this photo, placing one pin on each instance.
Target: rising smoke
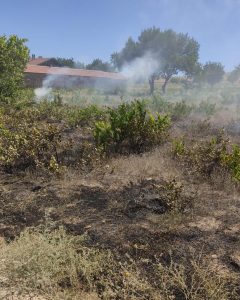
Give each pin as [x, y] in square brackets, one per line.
[51, 81]
[138, 70]
[141, 68]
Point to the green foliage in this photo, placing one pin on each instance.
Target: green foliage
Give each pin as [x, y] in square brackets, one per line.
[14, 56]
[205, 156]
[178, 147]
[173, 53]
[206, 107]
[212, 72]
[177, 110]
[132, 127]
[72, 115]
[98, 64]
[234, 75]
[59, 62]
[181, 109]
[84, 116]
[232, 161]
[25, 144]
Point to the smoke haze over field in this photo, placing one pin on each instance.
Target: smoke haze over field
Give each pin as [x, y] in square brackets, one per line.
[53, 80]
[140, 68]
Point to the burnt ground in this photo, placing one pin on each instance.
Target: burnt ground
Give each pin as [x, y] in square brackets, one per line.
[126, 212]
[121, 206]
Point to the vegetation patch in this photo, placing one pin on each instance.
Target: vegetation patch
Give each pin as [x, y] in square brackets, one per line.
[57, 265]
[131, 128]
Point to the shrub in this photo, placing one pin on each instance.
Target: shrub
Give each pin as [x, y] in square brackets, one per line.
[14, 56]
[177, 110]
[207, 108]
[178, 147]
[131, 128]
[203, 157]
[84, 116]
[73, 115]
[27, 145]
[232, 161]
[181, 109]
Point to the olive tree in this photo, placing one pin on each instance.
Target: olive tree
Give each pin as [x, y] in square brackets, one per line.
[172, 52]
[212, 72]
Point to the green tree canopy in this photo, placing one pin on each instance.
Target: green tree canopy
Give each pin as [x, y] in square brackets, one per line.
[235, 74]
[14, 56]
[59, 62]
[212, 72]
[98, 64]
[173, 53]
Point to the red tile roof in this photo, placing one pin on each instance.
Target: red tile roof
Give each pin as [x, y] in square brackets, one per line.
[72, 72]
[38, 61]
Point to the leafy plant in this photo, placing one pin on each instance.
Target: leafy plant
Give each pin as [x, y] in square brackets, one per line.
[232, 161]
[14, 56]
[132, 127]
[177, 110]
[178, 147]
[27, 145]
[207, 108]
[203, 157]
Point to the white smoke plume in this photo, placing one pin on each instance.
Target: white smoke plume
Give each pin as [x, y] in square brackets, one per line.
[45, 91]
[141, 68]
[54, 80]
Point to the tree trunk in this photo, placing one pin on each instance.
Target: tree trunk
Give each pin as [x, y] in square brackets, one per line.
[151, 84]
[165, 84]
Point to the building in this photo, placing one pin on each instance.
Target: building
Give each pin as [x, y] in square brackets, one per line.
[42, 72]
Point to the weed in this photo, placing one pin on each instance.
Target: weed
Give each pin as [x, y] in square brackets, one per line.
[195, 282]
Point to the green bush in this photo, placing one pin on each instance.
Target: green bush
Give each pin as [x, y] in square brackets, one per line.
[203, 157]
[132, 128]
[76, 116]
[14, 56]
[25, 144]
[207, 108]
[177, 110]
[232, 161]
[73, 115]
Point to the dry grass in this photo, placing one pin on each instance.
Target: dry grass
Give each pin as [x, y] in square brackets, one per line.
[56, 265]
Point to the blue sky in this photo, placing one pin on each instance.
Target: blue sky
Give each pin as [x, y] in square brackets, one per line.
[87, 29]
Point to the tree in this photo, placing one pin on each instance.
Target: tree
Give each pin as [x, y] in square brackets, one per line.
[98, 64]
[173, 53]
[179, 53]
[212, 72]
[14, 56]
[59, 62]
[234, 75]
